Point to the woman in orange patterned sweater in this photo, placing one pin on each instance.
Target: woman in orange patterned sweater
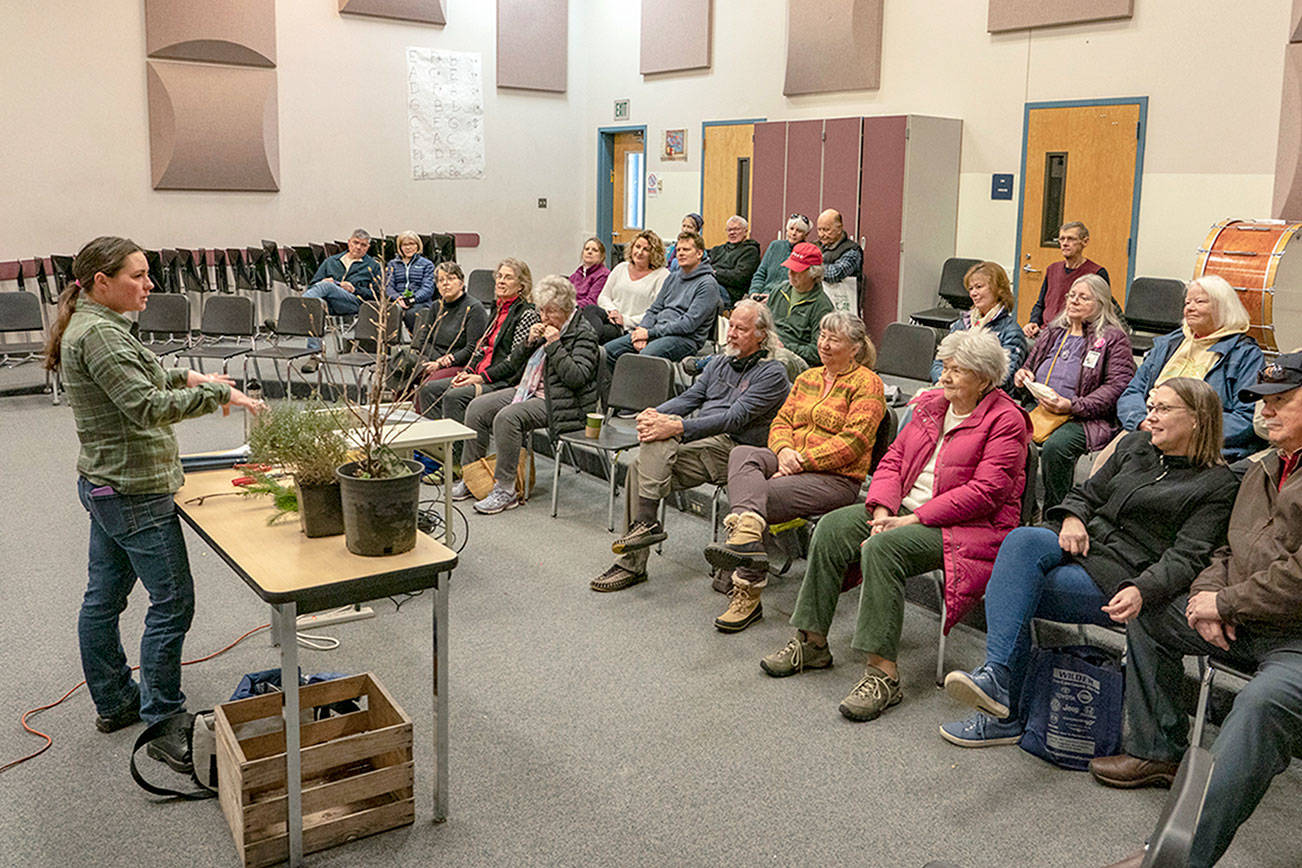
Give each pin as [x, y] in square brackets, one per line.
[820, 446]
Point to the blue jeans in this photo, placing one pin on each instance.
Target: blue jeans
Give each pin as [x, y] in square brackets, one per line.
[339, 301]
[135, 535]
[1033, 578]
[671, 347]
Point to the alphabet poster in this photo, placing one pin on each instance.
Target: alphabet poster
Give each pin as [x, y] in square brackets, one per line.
[445, 114]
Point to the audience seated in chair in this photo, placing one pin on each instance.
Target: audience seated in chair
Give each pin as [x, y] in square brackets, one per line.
[735, 261]
[819, 450]
[590, 277]
[1246, 607]
[410, 281]
[1085, 359]
[630, 289]
[771, 270]
[686, 440]
[681, 318]
[557, 389]
[1060, 276]
[992, 308]
[799, 305]
[1129, 539]
[1213, 345]
[927, 508]
[842, 258]
[489, 367]
[691, 223]
[346, 279]
[443, 338]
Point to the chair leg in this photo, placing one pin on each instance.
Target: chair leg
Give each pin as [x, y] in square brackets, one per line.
[660, 546]
[940, 649]
[612, 463]
[556, 473]
[1206, 673]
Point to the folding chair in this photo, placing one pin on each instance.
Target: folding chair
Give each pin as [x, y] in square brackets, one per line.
[225, 321]
[905, 356]
[21, 312]
[165, 317]
[953, 295]
[299, 317]
[366, 331]
[480, 285]
[638, 382]
[1154, 306]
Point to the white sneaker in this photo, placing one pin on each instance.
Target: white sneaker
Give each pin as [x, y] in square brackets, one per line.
[460, 491]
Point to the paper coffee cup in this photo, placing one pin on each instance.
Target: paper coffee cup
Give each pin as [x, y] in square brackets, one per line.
[593, 428]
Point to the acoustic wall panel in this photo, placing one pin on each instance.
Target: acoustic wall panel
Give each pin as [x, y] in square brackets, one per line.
[676, 35]
[419, 11]
[240, 32]
[833, 45]
[212, 127]
[531, 44]
[1288, 155]
[1295, 23]
[1005, 15]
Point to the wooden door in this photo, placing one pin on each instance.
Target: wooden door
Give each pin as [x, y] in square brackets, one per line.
[1080, 165]
[726, 178]
[628, 187]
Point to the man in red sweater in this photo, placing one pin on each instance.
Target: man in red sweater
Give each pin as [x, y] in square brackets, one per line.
[1058, 277]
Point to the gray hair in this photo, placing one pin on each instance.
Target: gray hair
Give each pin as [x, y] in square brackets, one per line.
[850, 328]
[555, 292]
[1079, 227]
[763, 322]
[816, 272]
[1106, 315]
[362, 234]
[737, 218]
[802, 221]
[977, 350]
[1228, 311]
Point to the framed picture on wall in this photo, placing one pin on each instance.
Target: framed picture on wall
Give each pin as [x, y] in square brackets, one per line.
[675, 145]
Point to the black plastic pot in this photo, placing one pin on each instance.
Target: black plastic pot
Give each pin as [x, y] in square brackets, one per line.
[379, 514]
[320, 511]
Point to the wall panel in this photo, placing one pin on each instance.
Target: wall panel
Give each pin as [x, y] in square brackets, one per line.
[833, 45]
[532, 44]
[676, 35]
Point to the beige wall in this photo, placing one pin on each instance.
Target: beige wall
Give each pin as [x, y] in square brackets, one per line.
[76, 154]
[76, 149]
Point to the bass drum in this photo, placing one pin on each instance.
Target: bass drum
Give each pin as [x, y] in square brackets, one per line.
[1258, 259]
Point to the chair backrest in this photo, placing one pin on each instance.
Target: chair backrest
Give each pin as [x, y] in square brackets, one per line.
[367, 326]
[303, 317]
[639, 382]
[480, 286]
[907, 351]
[1172, 838]
[165, 314]
[221, 279]
[1155, 304]
[603, 378]
[62, 268]
[886, 431]
[20, 312]
[228, 316]
[951, 281]
[1028, 493]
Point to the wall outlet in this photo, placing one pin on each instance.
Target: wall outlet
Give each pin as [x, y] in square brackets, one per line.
[542, 203]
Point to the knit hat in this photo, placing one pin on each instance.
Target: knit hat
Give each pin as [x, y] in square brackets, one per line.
[695, 218]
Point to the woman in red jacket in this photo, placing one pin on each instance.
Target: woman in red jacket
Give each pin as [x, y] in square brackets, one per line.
[944, 496]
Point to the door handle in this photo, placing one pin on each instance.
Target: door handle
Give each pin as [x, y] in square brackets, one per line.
[1029, 270]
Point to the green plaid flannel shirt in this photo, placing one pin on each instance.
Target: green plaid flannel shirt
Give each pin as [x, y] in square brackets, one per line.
[125, 402]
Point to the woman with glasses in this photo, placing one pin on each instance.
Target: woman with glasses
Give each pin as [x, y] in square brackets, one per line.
[1132, 536]
[1076, 371]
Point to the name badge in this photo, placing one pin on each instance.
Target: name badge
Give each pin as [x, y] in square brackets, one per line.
[1091, 359]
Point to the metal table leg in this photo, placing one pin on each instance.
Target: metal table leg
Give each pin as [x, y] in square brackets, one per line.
[285, 624]
[447, 498]
[441, 697]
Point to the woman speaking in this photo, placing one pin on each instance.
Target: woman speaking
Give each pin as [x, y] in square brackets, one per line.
[124, 403]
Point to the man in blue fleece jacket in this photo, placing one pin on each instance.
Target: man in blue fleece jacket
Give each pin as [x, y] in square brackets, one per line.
[686, 440]
[678, 322]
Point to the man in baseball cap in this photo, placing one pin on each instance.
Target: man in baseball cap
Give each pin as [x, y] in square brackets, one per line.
[1246, 609]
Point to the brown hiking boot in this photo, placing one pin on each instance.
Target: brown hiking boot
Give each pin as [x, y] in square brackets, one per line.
[744, 546]
[744, 610]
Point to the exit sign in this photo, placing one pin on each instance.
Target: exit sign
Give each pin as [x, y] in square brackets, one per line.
[621, 110]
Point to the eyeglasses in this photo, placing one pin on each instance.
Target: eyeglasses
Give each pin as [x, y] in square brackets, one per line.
[1163, 409]
[1077, 296]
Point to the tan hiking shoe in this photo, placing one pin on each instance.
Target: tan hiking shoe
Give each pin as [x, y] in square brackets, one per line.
[797, 656]
[874, 693]
[745, 544]
[744, 610]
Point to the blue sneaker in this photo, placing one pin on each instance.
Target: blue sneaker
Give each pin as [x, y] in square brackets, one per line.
[981, 730]
[984, 688]
[498, 499]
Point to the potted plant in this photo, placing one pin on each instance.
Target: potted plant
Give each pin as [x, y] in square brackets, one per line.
[380, 490]
[304, 438]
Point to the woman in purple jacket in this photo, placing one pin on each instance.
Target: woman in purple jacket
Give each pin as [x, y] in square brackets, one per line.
[1085, 359]
[944, 496]
[590, 276]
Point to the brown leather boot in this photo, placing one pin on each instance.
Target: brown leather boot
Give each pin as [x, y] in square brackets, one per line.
[745, 544]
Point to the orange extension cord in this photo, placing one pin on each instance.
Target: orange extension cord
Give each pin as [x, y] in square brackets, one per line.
[50, 741]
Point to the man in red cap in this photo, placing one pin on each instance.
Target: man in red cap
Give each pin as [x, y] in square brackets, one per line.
[1246, 608]
[799, 305]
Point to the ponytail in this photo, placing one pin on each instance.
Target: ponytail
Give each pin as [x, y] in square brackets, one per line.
[105, 255]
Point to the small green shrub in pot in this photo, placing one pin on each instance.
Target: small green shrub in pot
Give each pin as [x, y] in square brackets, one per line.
[304, 439]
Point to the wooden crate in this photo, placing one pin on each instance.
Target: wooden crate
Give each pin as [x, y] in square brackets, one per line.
[356, 768]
